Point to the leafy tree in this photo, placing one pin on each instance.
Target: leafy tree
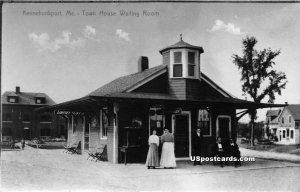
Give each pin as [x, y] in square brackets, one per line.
[258, 76]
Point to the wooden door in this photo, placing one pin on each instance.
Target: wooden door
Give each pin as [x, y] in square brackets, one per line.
[181, 135]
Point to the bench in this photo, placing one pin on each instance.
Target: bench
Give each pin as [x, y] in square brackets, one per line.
[99, 154]
[74, 148]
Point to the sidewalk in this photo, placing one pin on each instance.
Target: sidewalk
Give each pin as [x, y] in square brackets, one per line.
[270, 155]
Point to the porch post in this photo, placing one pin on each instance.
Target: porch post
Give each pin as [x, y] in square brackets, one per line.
[115, 134]
[83, 135]
[68, 127]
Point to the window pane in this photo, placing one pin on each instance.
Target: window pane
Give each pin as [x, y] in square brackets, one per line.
[12, 100]
[204, 121]
[292, 134]
[6, 131]
[105, 122]
[177, 57]
[177, 70]
[7, 117]
[191, 69]
[191, 57]
[46, 118]
[26, 117]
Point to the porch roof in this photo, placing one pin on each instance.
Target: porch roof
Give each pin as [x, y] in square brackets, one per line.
[89, 103]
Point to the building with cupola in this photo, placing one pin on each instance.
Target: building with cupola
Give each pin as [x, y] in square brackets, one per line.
[175, 95]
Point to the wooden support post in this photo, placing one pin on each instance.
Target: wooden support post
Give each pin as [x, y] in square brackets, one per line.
[115, 134]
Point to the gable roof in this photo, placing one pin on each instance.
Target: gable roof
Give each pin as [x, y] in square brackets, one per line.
[26, 98]
[294, 110]
[124, 83]
[275, 112]
[182, 44]
[130, 82]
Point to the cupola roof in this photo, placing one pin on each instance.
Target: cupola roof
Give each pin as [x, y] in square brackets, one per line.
[182, 44]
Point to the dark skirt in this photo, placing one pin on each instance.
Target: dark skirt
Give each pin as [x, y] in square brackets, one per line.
[152, 157]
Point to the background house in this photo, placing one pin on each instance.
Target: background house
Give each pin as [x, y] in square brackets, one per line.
[289, 124]
[21, 120]
[271, 123]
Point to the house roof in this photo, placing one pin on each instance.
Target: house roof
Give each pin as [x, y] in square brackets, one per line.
[26, 98]
[124, 83]
[182, 44]
[275, 112]
[121, 89]
[294, 110]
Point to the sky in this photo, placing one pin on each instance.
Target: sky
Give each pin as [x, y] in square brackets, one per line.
[77, 48]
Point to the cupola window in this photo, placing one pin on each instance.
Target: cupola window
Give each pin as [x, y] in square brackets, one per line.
[177, 66]
[191, 64]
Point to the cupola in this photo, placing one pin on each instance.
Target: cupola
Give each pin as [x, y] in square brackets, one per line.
[183, 60]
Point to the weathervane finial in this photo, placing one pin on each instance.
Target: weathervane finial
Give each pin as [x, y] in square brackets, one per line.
[181, 37]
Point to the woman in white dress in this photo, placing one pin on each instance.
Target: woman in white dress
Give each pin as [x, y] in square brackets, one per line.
[152, 157]
[167, 155]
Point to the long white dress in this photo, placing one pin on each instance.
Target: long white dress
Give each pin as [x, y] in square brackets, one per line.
[167, 155]
[152, 157]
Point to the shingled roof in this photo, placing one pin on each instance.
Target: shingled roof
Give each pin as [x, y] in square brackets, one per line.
[124, 83]
[295, 111]
[273, 112]
[26, 98]
[182, 44]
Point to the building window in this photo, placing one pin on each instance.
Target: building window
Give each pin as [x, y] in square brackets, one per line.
[204, 121]
[297, 124]
[191, 58]
[191, 63]
[287, 133]
[39, 100]
[191, 70]
[7, 117]
[177, 57]
[12, 99]
[104, 122]
[282, 120]
[290, 119]
[283, 134]
[177, 66]
[157, 119]
[6, 131]
[292, 134]
[177, 70]
[45, 131]
[75, 123]
[46, 118]
[26, 117]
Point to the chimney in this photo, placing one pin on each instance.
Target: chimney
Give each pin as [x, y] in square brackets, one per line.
[143, 63]
[18, 89]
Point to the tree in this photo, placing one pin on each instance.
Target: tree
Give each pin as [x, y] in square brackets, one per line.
[258, 76]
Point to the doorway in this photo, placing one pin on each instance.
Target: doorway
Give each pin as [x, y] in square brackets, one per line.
[181, 128]
[26, 133]
[224, 127]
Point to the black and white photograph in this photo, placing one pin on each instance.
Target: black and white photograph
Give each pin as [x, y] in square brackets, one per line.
[150, 95]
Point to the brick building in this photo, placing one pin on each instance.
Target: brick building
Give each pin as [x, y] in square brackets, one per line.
[21, 120]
